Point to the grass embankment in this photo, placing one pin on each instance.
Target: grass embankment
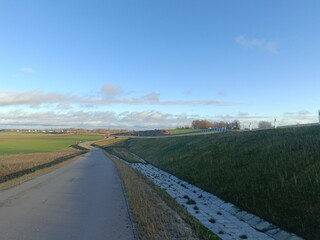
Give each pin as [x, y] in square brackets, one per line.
[155, 212]
[22, 154]
[110, 145]
[273, 173]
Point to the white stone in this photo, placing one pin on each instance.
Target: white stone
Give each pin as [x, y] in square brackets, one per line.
[262, 226]
[282, 235]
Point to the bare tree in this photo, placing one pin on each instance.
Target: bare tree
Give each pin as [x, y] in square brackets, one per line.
[204, 124]
[235, 125]
[264, 124]
[201, 124]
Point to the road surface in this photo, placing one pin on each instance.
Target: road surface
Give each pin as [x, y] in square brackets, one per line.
[82, 200]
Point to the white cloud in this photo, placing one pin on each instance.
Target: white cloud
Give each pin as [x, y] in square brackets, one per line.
[27, 70]
[199, 103]
[38, 98]
[304, 112]
[93, 119]
[32, 98]
[111, 90]
[132, 119]
[288, 113]
[302, 116]
[243, 114]
[262, 44]
[58, 110]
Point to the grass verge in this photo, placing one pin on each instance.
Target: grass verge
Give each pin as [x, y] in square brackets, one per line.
[155, 212]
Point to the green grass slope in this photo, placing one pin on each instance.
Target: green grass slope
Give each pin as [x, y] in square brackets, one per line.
[273, 173]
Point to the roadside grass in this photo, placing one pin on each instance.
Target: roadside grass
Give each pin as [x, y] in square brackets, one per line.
[272, 173]
[155, 212]
[39, 143]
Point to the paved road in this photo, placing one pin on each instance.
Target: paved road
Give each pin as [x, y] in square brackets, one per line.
[83, 200]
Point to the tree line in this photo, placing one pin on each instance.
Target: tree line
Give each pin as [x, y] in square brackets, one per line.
[205, 124]
[236, 124]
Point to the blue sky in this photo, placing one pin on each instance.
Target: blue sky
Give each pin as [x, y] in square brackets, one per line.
[157, 64]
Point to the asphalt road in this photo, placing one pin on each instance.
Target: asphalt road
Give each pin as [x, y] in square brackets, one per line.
[83, 200]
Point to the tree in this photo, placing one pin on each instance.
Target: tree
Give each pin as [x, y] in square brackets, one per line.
[264, 124]
[235, 125]
[201, 124]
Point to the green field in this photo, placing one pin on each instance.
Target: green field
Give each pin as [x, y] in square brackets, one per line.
[273, 173]
[37, 143]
